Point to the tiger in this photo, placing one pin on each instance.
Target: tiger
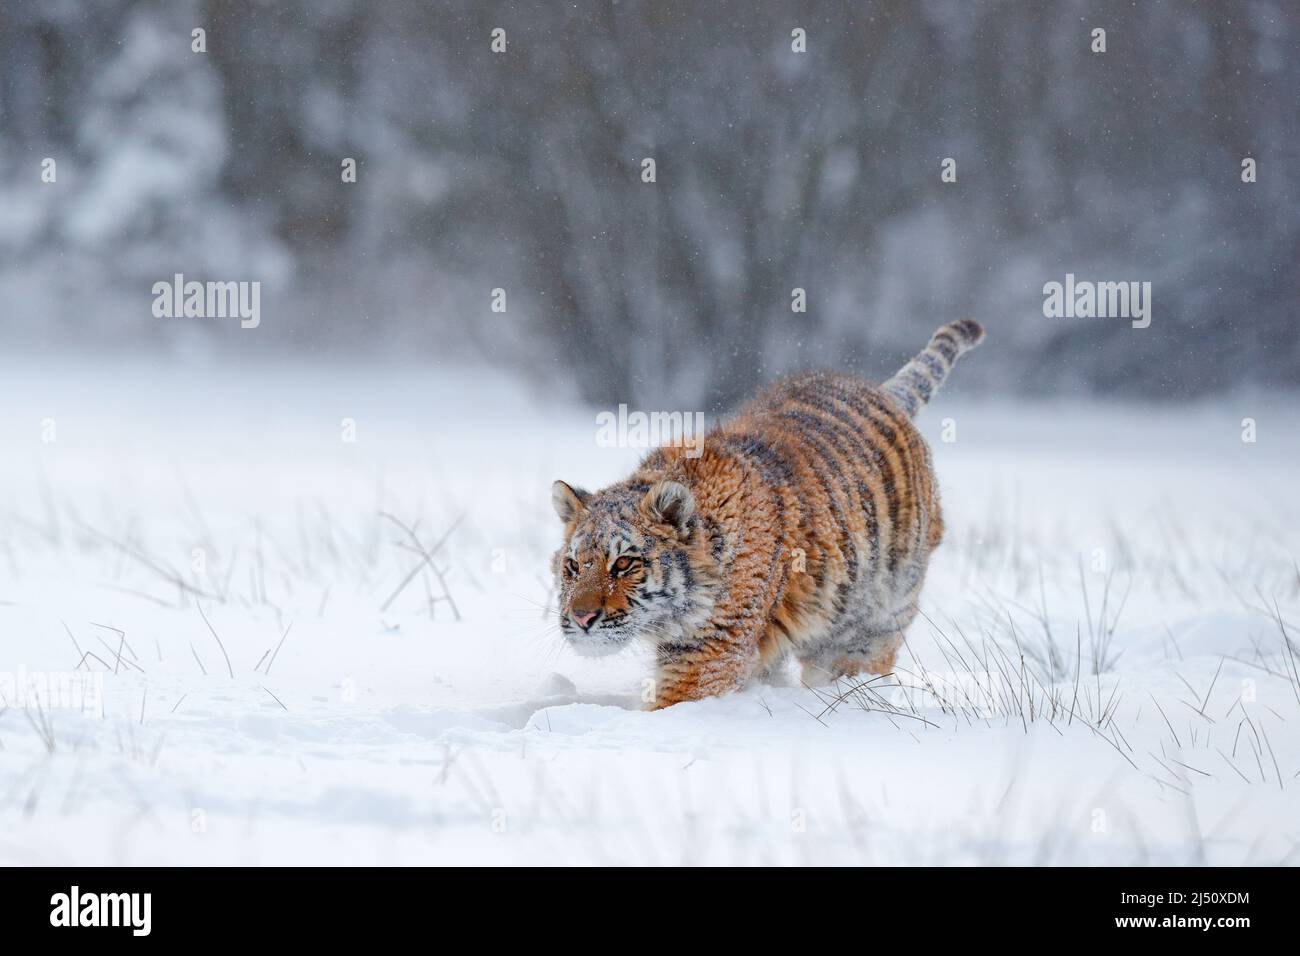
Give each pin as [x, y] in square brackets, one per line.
[802, 528]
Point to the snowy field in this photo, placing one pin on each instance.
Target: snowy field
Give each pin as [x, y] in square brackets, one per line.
[208, 654]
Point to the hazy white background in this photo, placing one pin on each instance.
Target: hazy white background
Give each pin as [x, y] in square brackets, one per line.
[1105, 628]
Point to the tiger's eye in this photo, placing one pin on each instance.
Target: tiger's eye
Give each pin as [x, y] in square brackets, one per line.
[625, 564]
[571, 566]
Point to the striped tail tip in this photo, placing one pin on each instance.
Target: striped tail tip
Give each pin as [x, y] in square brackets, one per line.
[967, 332]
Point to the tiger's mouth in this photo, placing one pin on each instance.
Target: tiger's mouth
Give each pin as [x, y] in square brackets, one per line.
[599, 641]
[605, 636]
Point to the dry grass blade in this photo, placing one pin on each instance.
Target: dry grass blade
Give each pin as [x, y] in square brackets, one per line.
[215, 635]
[427, 554]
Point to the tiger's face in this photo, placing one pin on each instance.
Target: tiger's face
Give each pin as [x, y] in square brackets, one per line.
[630, 565]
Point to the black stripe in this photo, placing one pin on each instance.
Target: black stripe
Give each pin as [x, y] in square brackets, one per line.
[783, 629]
[945, 347]
[717, 541]
[816, 430]
[776, 474]
[921, 386]
[876, 411]
[934, 366]
[835, 426]
[684, 565]
[906, 454]
[890, 435]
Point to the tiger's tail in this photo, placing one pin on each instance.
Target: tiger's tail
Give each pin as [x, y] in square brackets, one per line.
[914, 383]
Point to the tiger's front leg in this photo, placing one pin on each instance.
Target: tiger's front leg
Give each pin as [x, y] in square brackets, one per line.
[711, 665]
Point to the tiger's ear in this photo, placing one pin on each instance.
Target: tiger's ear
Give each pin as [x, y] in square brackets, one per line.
[568, 501]
[669, 502]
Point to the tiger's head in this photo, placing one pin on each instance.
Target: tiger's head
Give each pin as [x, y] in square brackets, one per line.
[636, 562]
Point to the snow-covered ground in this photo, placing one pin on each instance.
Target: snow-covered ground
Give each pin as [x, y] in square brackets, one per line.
[445, 722]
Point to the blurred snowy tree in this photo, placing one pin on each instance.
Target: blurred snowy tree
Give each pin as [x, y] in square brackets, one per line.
[776, 168]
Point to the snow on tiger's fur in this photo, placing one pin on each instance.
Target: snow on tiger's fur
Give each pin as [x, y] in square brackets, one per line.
[803, 528]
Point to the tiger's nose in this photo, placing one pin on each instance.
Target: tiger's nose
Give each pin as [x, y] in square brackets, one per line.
[584, 619]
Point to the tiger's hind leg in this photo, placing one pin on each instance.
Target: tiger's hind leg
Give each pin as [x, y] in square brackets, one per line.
[865, 649]
[775, 672]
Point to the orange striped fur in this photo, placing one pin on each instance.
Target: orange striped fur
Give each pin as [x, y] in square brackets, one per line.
[804, 528]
